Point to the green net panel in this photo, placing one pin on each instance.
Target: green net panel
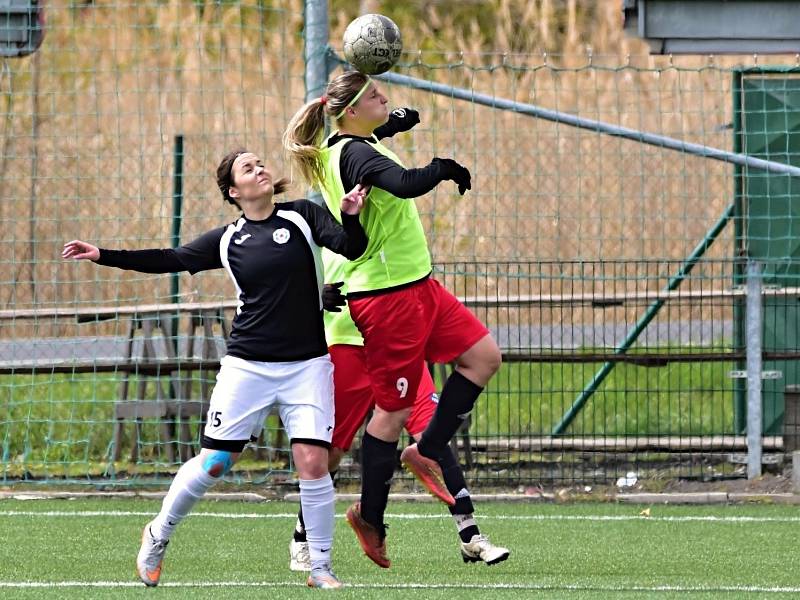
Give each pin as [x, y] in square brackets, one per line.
[89, 126]
[566, 240]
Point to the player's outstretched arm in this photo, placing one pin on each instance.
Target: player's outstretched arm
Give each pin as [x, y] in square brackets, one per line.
[155, 260]
[201, 254]
[362, 163]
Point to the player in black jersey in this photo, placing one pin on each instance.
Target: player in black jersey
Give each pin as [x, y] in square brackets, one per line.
[276, 354]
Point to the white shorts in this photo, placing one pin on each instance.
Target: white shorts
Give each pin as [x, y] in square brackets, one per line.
[246, 390]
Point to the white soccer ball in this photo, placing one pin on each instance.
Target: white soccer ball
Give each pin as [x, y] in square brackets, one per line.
[372, 44]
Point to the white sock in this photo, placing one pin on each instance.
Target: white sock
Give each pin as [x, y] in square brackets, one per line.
[317, 498]
[190, 484]
[464, 521]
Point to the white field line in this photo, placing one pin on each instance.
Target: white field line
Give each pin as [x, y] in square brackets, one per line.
[411, 517]
[755, 589]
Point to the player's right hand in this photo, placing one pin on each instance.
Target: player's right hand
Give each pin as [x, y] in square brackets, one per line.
[404, 118]
[80, 251]
[455, 172]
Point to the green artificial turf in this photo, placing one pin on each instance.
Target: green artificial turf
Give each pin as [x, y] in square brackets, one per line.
[238, 550]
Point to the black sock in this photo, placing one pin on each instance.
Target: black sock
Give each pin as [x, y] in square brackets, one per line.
[457, 486]
[467, 533]
[455, 482]
[378, 461]
[300, 536]
[458, 397]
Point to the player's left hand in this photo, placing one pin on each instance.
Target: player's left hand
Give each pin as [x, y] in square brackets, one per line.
[353, 201]
[453, 171]
[332, 297]
[405, 118]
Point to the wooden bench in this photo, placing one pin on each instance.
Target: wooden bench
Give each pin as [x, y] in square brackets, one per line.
[176, 405]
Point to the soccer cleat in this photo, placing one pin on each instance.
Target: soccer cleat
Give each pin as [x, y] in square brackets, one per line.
[323, 578]
[373, 541]
[150, 557]
[479, 548]
[299, 556]
[428, 472]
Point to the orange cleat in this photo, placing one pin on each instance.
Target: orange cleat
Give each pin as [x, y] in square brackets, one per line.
[372, 542]
[428, 472]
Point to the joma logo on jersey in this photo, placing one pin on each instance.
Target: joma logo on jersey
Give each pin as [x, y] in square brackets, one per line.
[281, 236]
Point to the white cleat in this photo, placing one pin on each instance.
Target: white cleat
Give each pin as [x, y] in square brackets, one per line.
[324, 579]
[479, 548]
[151, 555]
[299, 556]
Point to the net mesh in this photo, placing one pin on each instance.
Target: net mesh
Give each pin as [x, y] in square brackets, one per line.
[570, 224]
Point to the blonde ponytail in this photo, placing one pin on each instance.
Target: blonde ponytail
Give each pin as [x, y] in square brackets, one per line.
[302, 138]
[303, 134]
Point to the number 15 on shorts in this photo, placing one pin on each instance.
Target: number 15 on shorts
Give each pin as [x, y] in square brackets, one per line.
[215, 418]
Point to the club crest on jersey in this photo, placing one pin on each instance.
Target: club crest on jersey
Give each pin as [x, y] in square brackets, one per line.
[281, 236]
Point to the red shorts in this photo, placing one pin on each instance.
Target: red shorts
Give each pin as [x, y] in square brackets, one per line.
[353, 396]
[405, 328]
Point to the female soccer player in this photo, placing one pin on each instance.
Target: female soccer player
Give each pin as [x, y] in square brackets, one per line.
[276, 353]
[404, 316]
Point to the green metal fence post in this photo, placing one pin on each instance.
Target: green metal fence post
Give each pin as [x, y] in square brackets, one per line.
[177, 208]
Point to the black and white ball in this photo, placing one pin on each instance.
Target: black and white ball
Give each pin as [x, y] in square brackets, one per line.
[372, 44]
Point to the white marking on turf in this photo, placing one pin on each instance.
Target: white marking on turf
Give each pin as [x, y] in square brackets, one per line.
[400, 516]
[756, 589]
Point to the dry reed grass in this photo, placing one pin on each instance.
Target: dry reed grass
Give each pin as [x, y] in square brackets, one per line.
[90, 155]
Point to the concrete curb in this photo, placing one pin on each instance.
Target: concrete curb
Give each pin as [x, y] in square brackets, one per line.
[676, 498]
[38, 495]
[698, 498]
[709, 498]
[427, 498]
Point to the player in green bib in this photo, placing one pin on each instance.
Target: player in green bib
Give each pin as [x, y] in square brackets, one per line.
[405, 317]
[353, 399]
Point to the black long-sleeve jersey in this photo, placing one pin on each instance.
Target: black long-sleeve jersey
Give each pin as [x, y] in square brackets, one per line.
[361, 163]
[276, 268]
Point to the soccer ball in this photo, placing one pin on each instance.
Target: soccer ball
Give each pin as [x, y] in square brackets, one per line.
[372, 44]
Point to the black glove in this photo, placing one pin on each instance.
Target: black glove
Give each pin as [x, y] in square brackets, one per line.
[332, 297]
[405, 118]
[453, 171]
[400, 119]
